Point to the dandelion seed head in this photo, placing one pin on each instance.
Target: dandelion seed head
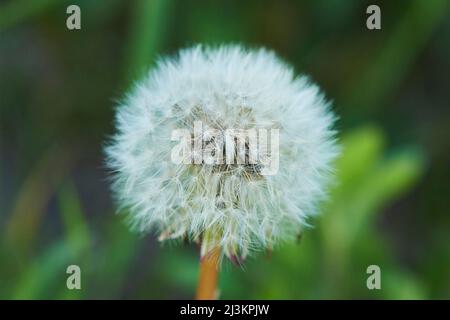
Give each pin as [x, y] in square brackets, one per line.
[232, 206]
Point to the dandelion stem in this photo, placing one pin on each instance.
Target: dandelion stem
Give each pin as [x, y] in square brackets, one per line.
[209, 269]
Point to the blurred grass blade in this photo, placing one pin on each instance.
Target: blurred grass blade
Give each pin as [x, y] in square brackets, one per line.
[33, 197]
[394, 176]
[391, 64]
[147, 33]
[75, 224]
[362, 149]
[116, 258]
[378, 180]
[45, 275]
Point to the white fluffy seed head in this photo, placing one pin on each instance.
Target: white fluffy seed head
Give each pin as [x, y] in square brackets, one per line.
[231, 207]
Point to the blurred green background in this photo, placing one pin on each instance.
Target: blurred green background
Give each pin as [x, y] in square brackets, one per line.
[390, 206]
